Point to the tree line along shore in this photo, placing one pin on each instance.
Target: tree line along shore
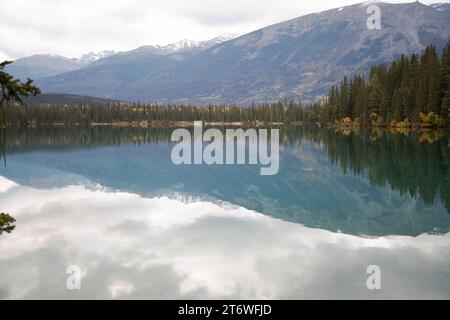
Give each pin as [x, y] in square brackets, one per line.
[412, 92]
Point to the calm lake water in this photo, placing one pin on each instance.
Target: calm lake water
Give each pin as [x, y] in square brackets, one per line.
[110, 201]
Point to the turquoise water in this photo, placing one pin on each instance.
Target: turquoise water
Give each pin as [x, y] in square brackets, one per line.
[111, 201]
[359, 185]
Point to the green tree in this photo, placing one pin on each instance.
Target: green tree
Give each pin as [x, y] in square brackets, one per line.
[445, 76]
[13, 90]
[431, 61]
[6, 223]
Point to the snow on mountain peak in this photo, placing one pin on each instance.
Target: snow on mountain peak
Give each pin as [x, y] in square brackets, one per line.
[186, 45]
[181, 45]
[440, 6]
[92, 56]
[225, 37]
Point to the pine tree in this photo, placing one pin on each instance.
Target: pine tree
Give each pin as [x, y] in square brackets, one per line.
[13, 90]
[344, 98]
[433, 74]
[413, 81]
[375, 93]
[445, 80]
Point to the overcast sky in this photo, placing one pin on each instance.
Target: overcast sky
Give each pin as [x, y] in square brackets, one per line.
[74, 27]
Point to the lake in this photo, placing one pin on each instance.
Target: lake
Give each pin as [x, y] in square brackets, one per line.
[110, 201]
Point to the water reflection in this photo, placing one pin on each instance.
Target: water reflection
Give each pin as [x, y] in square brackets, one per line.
[371, 183]
[128, 246]
[415, 163]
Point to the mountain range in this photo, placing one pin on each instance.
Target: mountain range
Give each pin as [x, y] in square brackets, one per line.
[295, 59]
[45, 65]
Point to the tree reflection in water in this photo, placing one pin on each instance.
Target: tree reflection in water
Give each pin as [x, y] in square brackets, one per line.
[414, 162]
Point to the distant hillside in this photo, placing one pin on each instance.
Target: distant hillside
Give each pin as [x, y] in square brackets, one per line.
[299, 58]
[41, 65]
[70, 99]
[46, 65]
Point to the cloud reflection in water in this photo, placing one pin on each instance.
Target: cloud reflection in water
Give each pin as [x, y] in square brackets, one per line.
[134, 247]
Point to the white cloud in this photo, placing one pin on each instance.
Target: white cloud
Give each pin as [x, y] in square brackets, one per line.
[72, 28]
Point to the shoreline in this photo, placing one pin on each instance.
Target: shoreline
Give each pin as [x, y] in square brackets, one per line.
[154, 124]
[187, 124]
